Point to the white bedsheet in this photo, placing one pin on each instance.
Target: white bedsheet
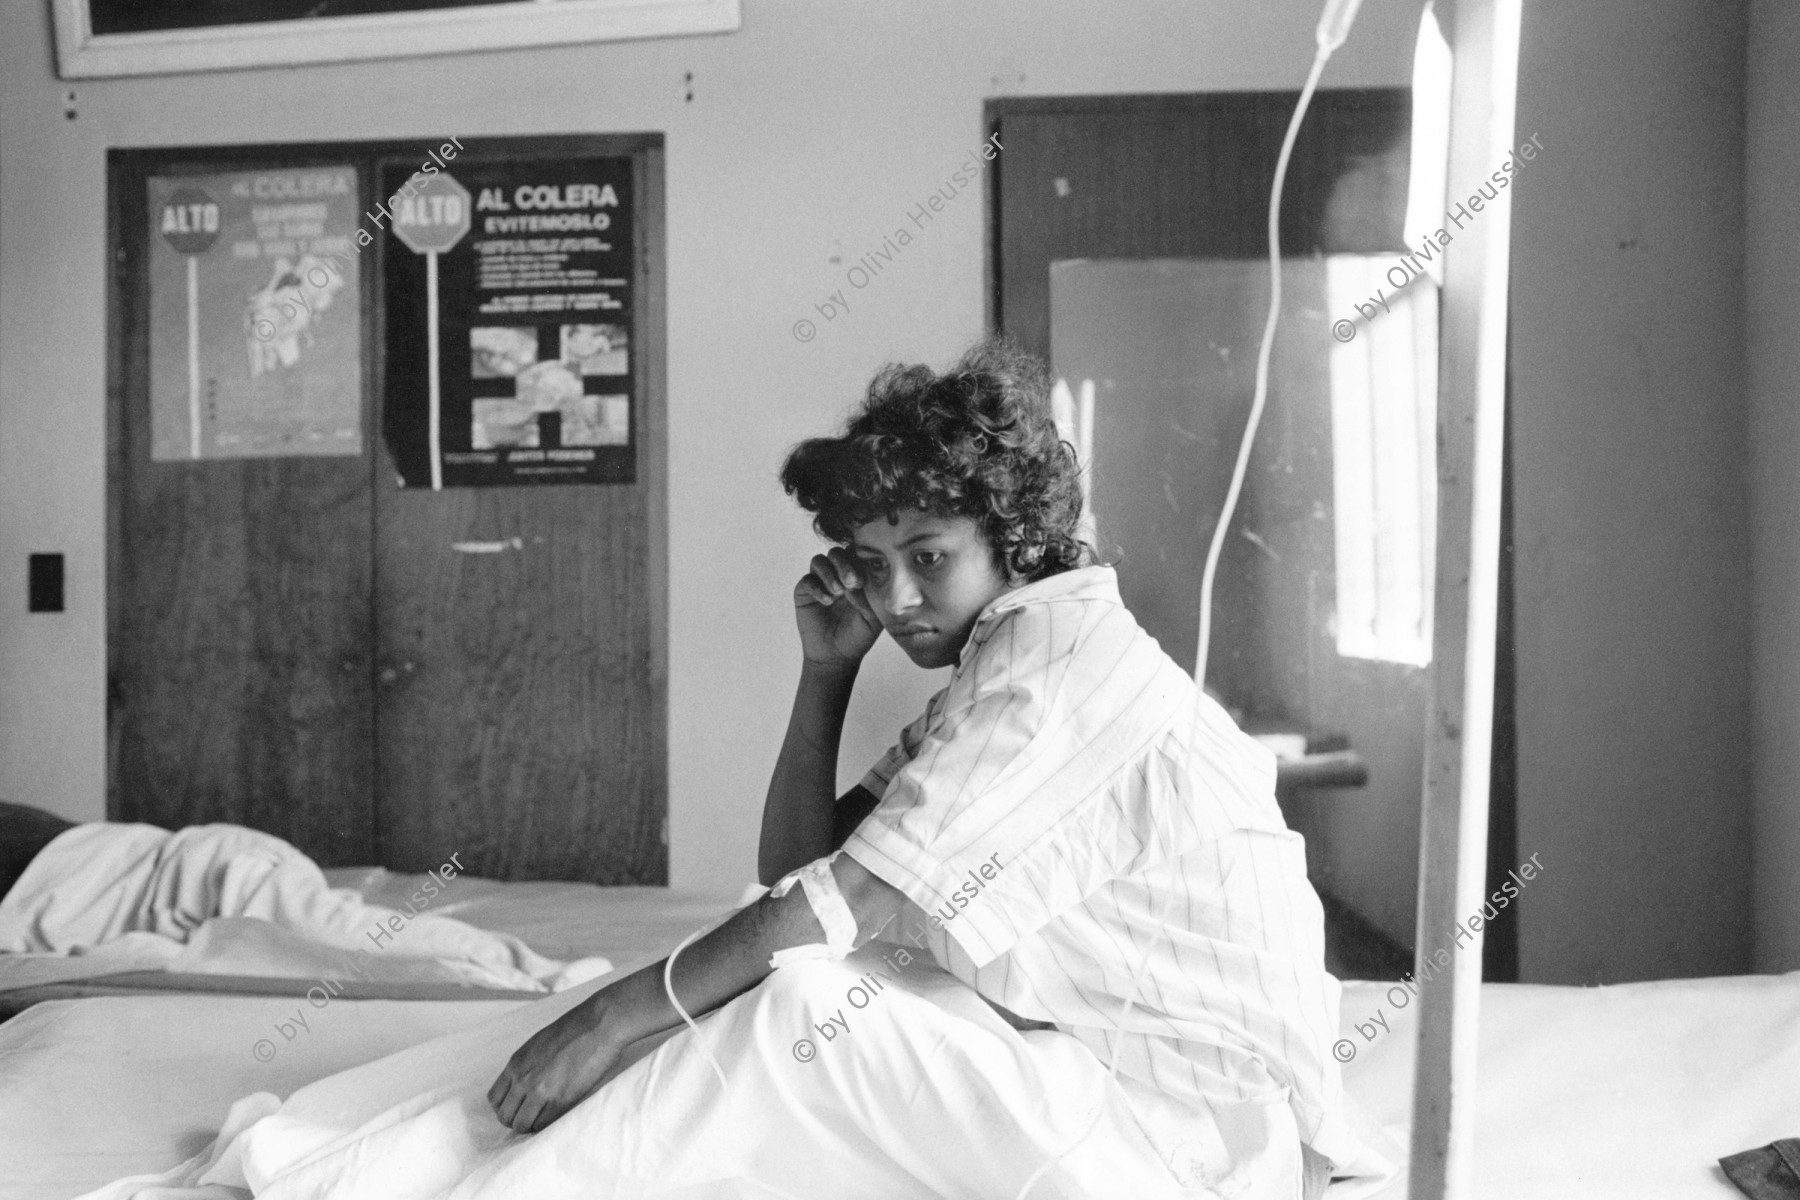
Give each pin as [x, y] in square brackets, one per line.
[628, 924]
[95, 1089]
[926, 1094]
[223, 899]
[92, 1090]
[1631, 1092]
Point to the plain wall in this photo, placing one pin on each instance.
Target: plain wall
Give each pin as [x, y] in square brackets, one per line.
[1631, 496]
[1772, 289]
[811, 133]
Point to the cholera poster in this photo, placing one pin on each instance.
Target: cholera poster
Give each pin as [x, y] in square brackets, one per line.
[255, 340]
[509, 322]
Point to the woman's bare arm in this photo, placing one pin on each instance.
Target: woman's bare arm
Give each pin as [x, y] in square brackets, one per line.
[566, 1060]
[837, 628]
[797, 815]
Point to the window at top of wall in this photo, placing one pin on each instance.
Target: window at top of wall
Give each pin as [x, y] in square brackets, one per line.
[1384, 460]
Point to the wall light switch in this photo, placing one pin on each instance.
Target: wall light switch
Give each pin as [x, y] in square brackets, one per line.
[46, 583]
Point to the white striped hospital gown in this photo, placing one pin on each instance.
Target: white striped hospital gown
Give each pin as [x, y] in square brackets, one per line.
[1124, 822]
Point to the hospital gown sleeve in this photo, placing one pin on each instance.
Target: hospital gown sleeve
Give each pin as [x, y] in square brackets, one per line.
[1007, 810]
[875, 781]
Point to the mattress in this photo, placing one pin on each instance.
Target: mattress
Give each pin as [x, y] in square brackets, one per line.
[1590, 1093]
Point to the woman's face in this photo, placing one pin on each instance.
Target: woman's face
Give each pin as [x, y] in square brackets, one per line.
[928, 578]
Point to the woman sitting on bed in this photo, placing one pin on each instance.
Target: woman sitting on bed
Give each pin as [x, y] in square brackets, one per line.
[1073, 830]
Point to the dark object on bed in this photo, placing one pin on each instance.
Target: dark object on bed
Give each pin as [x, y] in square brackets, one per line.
[1769, 1172]
[23, 832]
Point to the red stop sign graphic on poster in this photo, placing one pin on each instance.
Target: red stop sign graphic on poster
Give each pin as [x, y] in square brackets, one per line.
[189, 221]
[435, 217]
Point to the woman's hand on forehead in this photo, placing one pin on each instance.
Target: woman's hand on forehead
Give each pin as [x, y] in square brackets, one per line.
[837, 624]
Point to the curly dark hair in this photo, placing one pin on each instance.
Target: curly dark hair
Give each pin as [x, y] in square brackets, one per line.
[977, 441]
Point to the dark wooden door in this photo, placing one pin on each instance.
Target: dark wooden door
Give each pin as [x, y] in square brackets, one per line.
[240, 638]
[243, 650]
[520, 686]
[503, 679]
[301, 646]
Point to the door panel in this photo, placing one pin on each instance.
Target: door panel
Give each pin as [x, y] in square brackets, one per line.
[243, 660]
[240, 643]
[513, 715]
[520, 709]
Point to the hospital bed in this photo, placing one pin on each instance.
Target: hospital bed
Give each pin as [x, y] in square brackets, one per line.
[1590, 1093]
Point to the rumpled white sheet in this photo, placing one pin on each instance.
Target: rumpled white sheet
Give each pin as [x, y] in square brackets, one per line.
[922, 1092]
[223, 899]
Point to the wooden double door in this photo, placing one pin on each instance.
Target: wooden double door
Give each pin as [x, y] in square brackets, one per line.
[378, 674]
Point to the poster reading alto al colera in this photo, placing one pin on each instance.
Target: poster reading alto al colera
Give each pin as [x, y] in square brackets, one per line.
[509, 332]
[255, 335]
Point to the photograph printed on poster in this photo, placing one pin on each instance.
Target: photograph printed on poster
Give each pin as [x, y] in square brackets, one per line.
[553, 388]
[596, 349]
